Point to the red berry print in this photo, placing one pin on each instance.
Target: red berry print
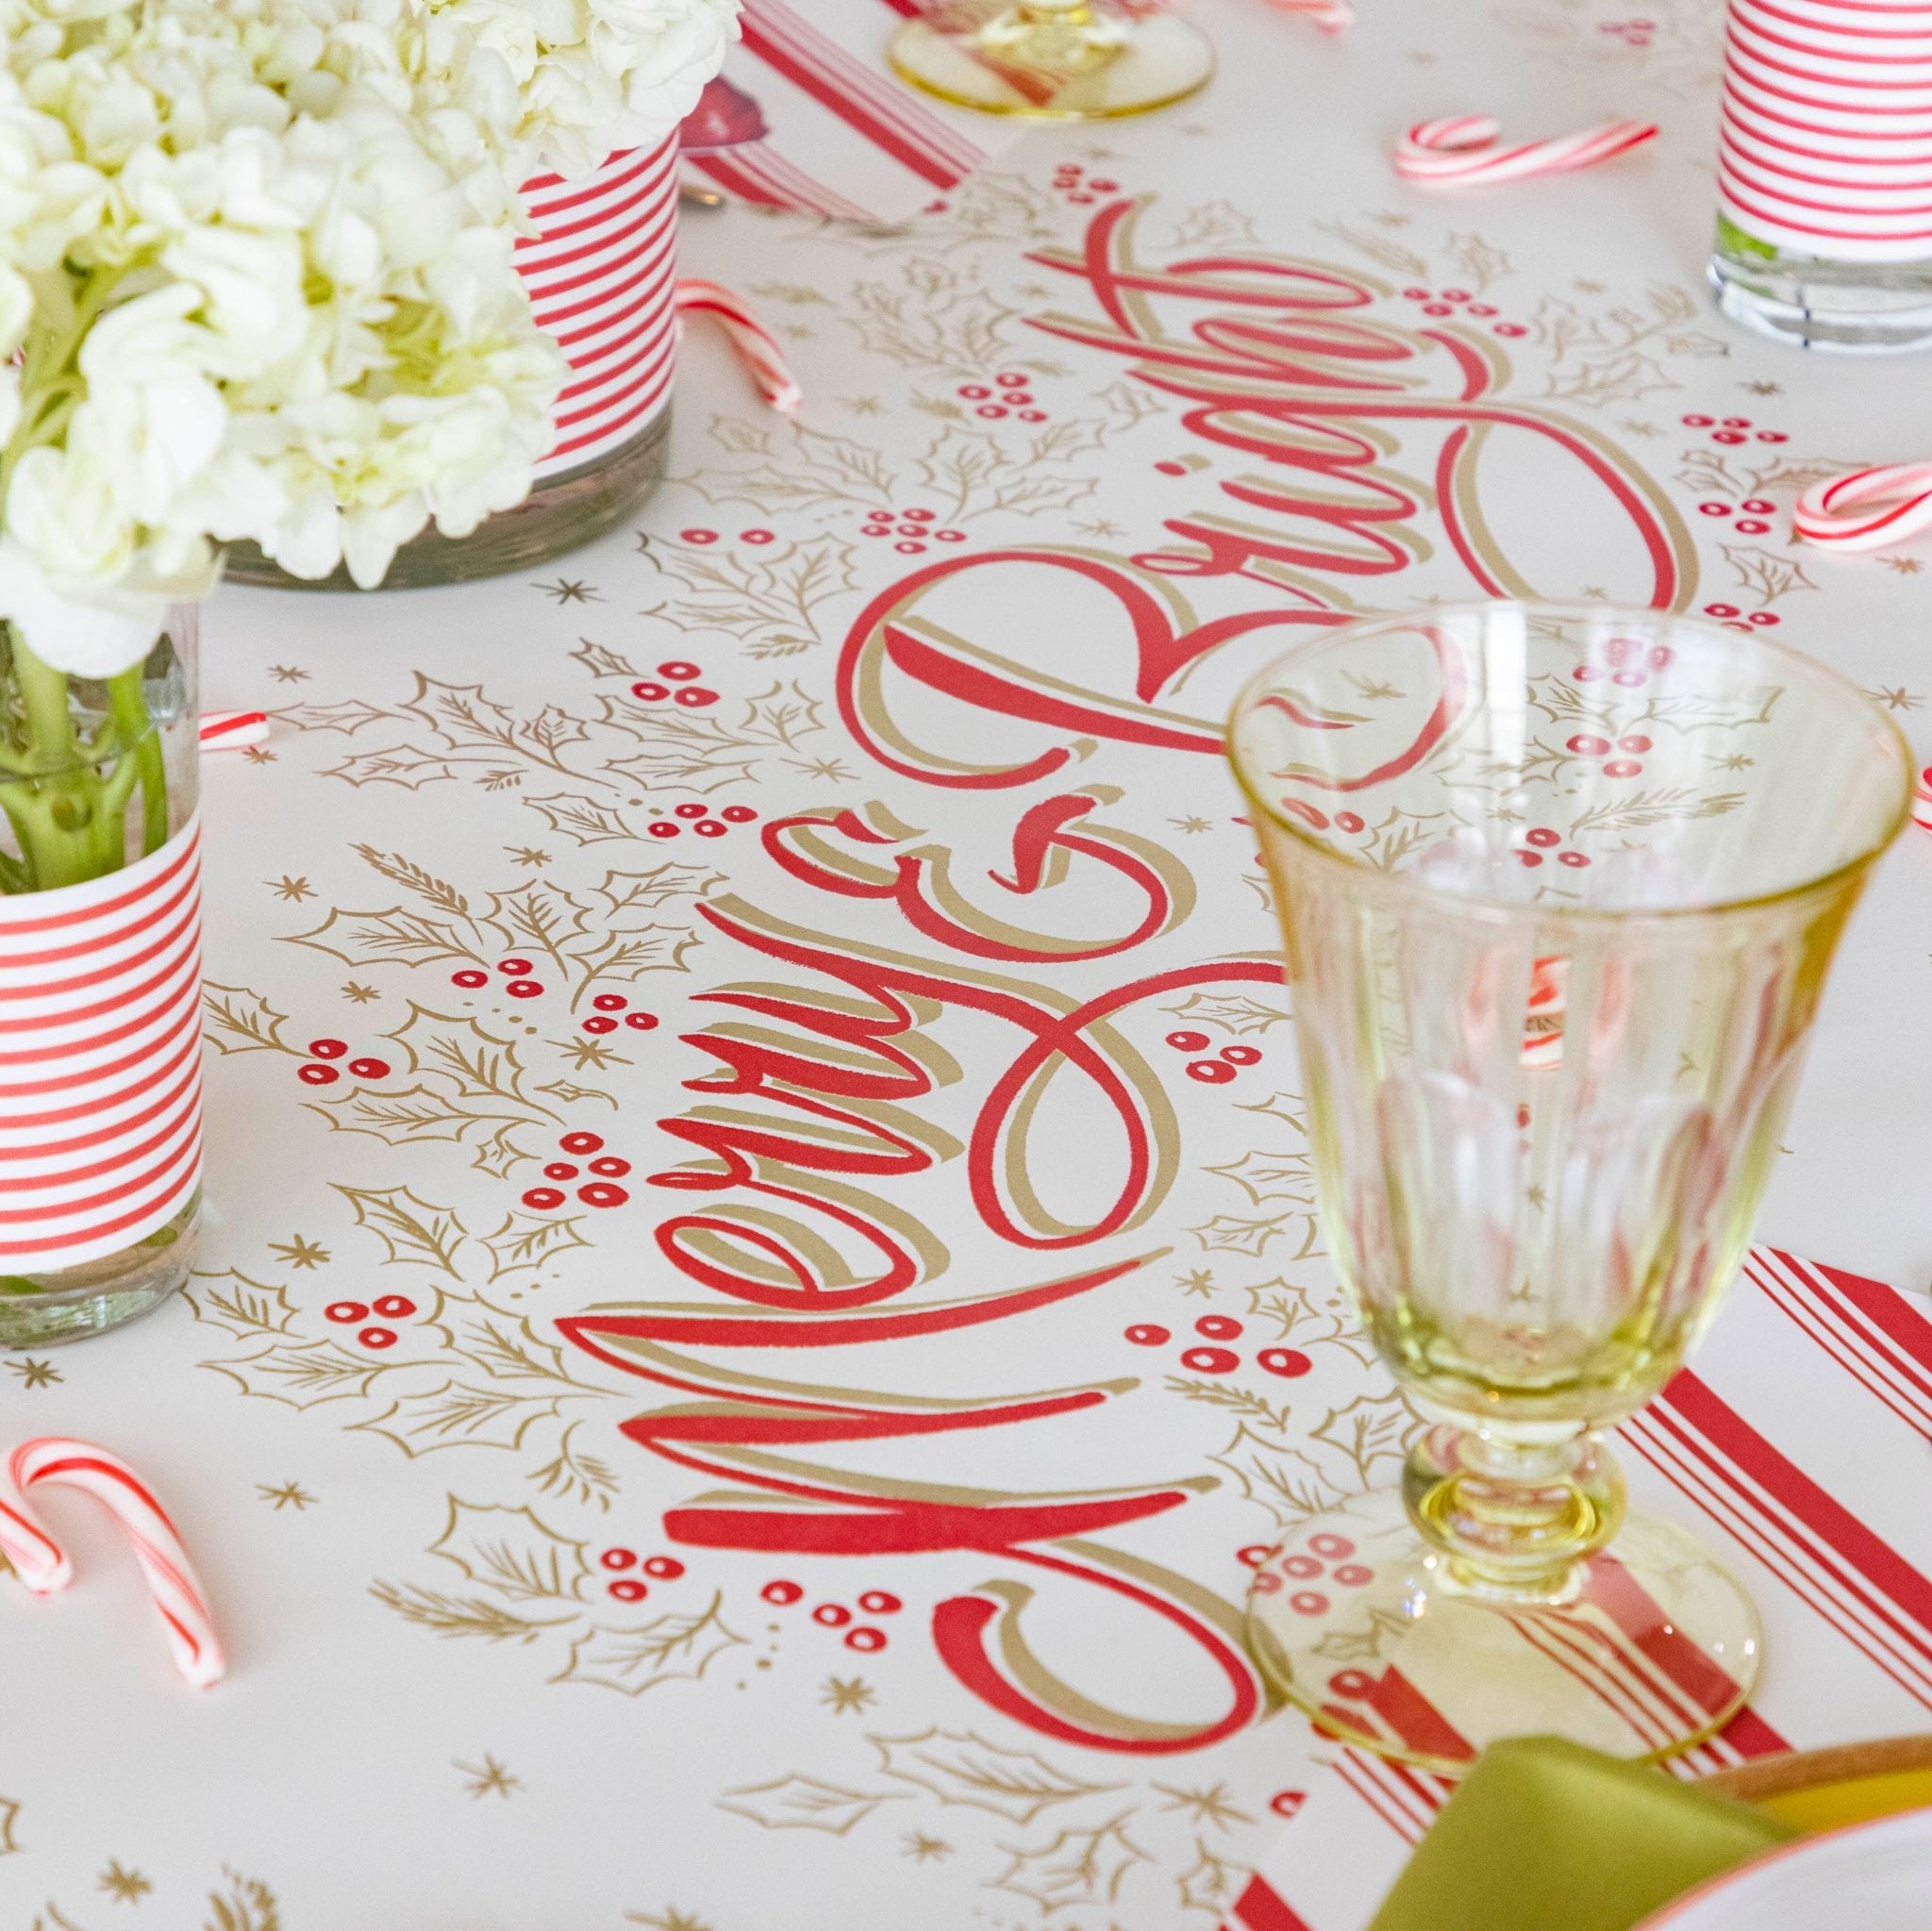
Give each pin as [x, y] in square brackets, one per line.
[601, 1194]
[1187, 1042]
[523, 989]
[560, 1170]
[345, 1311]
[1349, 820]
[782, 1593]
[377, 1338]
[695, 696]
[315, 1073]
[640, 1021]
[1219, 1327]
[865, 1639]
[610, 1167]
[514, 968]
[880, 1603]
[738, 814]
[582, 1143]
[1211, 1360]
[1148, 1334]
[833, 1615]
[1299, 1567]
[542, 1198]
[627, 1589]
[598, 1023]
[1586, 744]
[1308, 1603]
[1286, 1803]
[709, 828]
[619, 1558]
[609, 1002]
[469, 979]
[689, 810]
[1241, 1055]
[395, 1306]
[650, 692]
[369, 1069]
[699, 536]
[1211, 1072]
[1542, 835]
[1290, 1364]
[326, 1049]
[665, 1568]
[1354, 1575]
[1331, 1547]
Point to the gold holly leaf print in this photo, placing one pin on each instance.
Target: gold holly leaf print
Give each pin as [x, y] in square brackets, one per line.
[412, 1231]
[525, 1242]
[1214, 224]
[10, 1816]
[248, 1309]
[1076, 1867]
[513, 1552]
[239, 1021]
[348, 718]
[402, 765]
[602, 661]
[247, 1905]
[961, 1767]
[1477, 261]
[394, 933]
[1265, 1176]
[305, 1374]
[1209, 1883]
[1230, 1012]
[458, 1414]
[1764, 573]
[1370, 1430]
[668, 1649]
[1280, 1479]
[801, 1803]
[1231, 1234]
[586, 820]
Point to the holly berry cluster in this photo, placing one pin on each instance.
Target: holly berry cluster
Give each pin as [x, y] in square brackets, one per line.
[1450, 301]
[351, 1313]
[633, 1588]
[863, 1636]
[319, 1070]
[1222, 1067]
[601, 1191]
[1328, 1557]
[1290, 1364]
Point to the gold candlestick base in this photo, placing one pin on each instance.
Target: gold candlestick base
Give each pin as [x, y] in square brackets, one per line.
[1052, 60]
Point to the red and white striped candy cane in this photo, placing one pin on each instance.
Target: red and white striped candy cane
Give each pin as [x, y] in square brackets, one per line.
[1549, 999]
[1903, 489]
[757, 347]
[36, 1557]
[1460, 151]
[178, 1594]
[1331, 16]
[231, 730]
[1921, 800]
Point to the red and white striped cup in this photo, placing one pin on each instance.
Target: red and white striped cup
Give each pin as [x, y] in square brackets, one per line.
[602, 271]
[100, 1059]
[1827, 141]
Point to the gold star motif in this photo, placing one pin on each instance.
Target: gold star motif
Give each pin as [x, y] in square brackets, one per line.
[294, 889]
[831, 769]
[35, 1373]
[360, 996]
[1642, 429]
[568, 590]
[863, 404]
[527, 855]
[489, 1777]
[1686, 1066]
[1102, 153]
[1212, 1806]
[1388, 220]
[1201, 1283]
[1905, 566]
[1899, 699]
[124, 1887]
[1100, 526]
[1588, 288]
[298, 1252]
[259, 754]
[840, 1693]
[1737, 760]
[590, 1054]
[1191, 824]
[672, 1919]
[927, 1849]
[1535, 1195]
[1591, 593]
[288, 673]
[289, 1495]
[1765, 387]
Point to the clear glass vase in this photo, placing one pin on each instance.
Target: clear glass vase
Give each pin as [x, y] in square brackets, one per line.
[601, 268]
[100, 987]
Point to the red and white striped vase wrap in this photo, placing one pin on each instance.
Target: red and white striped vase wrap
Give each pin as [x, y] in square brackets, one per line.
[1826, 143]
[602, 272]
[100, 1059]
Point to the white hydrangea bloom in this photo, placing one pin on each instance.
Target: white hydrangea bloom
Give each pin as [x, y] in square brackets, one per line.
[262, 289]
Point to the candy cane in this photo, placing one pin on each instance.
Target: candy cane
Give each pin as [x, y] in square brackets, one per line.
[1906, 487]
[758, 347]
[1331, 16]
[1549, 999]
[230, 730]
[1921, 800]
[170, 1578]
[1460, 151]
[36, 1557]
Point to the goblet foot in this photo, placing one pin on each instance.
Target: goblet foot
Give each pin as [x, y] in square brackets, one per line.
[1052, 60]
[1650, 1649]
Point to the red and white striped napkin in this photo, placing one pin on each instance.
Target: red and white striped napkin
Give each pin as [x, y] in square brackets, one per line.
[847, 140]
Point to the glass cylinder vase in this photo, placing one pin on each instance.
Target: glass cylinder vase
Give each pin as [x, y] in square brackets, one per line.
[100, 988]
[601, 268]
[1825, 223]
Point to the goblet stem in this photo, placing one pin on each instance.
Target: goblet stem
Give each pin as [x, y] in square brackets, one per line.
[1062, 37]
[1515, 1514]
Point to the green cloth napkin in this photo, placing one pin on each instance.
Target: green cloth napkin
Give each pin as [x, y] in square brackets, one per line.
[1546, 1836]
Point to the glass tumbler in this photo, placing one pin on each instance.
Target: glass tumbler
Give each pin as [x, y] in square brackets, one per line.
[1559, 890]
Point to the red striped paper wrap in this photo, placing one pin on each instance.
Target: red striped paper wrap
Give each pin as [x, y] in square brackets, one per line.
[1826, 143]
[600, 272]
[100, 1059]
